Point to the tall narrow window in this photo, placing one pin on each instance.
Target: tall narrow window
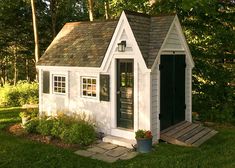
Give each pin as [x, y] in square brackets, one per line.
[88, 87]
[59, 84]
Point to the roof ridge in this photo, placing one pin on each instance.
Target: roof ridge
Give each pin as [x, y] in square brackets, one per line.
[90, 22]
[136, 13]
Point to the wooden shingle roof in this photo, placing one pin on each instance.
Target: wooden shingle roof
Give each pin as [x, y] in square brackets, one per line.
[149, 33]
[81, 44]
[84, 44]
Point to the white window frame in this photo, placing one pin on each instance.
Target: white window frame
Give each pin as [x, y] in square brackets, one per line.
[96, 87]
[53, 84]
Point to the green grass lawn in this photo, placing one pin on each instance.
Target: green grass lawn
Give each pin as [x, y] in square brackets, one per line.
[19, 152]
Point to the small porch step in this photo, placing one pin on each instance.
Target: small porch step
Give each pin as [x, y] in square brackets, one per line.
[128, 143]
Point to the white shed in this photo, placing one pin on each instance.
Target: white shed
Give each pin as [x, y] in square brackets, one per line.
[130, 74]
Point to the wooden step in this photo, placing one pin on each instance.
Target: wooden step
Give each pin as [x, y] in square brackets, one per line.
[187, 134]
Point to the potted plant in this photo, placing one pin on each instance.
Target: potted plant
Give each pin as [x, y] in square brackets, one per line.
[144, 140]
[24, 117]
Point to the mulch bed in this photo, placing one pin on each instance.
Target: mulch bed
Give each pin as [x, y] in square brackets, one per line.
[18, 130]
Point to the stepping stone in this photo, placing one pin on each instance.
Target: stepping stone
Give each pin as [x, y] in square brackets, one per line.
[107, 146]
[84, 153]
[96, 149]
[129, 155]
[104, 158]
[117, 151]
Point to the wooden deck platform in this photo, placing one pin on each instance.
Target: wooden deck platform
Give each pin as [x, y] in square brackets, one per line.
[187, 134]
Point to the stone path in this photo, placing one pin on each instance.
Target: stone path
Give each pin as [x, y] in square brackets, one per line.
[107, 152]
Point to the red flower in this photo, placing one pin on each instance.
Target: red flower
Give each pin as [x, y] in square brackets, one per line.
[148, 134]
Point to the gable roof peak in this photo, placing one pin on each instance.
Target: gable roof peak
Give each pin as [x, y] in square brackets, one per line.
[127, 12]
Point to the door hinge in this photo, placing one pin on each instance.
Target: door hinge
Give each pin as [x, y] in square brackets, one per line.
[160, 116]
[184, 106]
[160, 67]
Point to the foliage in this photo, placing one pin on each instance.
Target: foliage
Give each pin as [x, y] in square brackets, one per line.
[29, 112]
[77, 128]
[139, 134]
[45, 126]
[58, 127]
[71, 129]
[213, 98]
[81, 133]
[22, 93]
[31, 126]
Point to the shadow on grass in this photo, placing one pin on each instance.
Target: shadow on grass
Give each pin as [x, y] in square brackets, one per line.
[9, 116]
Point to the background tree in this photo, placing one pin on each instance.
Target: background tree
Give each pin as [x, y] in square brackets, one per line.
[35, 31]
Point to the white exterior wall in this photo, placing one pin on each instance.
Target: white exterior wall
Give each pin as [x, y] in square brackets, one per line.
[173, 41]
[188, 94]
[102, 112]
[155, 95]
[73, 101]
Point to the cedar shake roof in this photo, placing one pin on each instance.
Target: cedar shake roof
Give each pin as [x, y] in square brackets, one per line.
[149, 33]
[81, 44]
[84, 44]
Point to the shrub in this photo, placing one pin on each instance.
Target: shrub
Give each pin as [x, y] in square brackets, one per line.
[58, 127]
[31, 126]
[9, 96]
[30, 113]
[22, 93]
[73, 129]
[81, 133]
[45, 126]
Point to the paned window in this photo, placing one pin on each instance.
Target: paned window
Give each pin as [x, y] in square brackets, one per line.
[88, 87]
[59, 84]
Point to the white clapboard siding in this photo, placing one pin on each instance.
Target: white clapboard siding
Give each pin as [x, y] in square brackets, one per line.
[173, 40]
[155, 96]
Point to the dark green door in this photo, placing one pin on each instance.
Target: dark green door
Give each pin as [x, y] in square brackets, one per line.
[172, 90]
[125, 94]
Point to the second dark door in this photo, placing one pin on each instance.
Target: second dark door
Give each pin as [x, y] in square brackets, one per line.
[172, 90]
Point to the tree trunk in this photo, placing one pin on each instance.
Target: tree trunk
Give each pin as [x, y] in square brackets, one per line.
[3, 73]
[27, 69]
[91, 9]
[15, 66]
[106, 7]
[53, 17]
[35, 31]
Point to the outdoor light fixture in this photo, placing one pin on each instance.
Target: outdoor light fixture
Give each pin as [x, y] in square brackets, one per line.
[122, 46]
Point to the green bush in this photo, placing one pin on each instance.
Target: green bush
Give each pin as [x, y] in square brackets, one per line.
[45, 126]
[22, 93]
[58, 127]
[31, 126]
[71, 129]
[81, 133]
[213, 98]
[29, 113]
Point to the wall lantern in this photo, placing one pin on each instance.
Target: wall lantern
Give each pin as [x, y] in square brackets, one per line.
[122, 46]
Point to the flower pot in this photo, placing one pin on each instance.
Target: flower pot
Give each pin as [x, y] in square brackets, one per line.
[144, 145]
